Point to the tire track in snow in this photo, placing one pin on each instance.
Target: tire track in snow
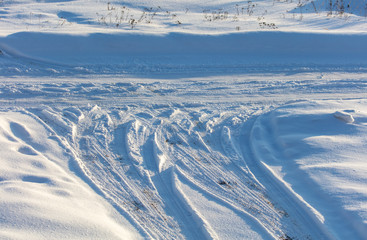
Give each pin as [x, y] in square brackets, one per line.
[280, 194]
[205, 172]
[163, 184]
[248, 218]
[136, 136]
[132, 142]
[136, 147]
[101, 167]
[130, 194]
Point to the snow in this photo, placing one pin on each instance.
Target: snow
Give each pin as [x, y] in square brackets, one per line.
[345, 117]
[183, 119]
[177, 49]
[197, 17]
[307, 148]
[41, 196]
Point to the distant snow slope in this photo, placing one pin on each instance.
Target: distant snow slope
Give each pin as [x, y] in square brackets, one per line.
[198, 17]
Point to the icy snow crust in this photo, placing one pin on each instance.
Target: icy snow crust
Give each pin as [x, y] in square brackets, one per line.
[183, 119]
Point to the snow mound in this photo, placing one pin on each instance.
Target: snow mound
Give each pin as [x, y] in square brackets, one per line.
[345, 117]
[319, 160]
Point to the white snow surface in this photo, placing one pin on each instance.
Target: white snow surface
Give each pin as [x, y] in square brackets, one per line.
[41, 198]
[304, 147]
[183, 119]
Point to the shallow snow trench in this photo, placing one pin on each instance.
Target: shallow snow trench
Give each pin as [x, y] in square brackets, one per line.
[192, 172]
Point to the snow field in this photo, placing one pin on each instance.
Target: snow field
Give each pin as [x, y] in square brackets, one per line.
[183, 119]
[166, 163]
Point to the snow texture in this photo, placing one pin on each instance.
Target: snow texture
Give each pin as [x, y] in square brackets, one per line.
[183, 119]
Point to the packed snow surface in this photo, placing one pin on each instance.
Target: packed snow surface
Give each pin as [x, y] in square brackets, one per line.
[183, 119]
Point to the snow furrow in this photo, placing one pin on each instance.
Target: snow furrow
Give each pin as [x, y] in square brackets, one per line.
[249, 219]
[279, 194]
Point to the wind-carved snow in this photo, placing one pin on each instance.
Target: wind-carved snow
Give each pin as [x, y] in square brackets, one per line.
[183, 119]
[40, 196]
[345, 117]
[318, 155]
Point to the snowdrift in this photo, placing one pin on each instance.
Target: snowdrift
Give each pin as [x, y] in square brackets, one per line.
[41, 197]
[316, 151]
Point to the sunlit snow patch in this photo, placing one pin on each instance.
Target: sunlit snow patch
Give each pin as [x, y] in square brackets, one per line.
[40, 197]
[345, 117]
[318, 153]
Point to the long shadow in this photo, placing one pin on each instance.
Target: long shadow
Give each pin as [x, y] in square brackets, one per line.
[334, 7]
[179, 54]
[73, 17]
